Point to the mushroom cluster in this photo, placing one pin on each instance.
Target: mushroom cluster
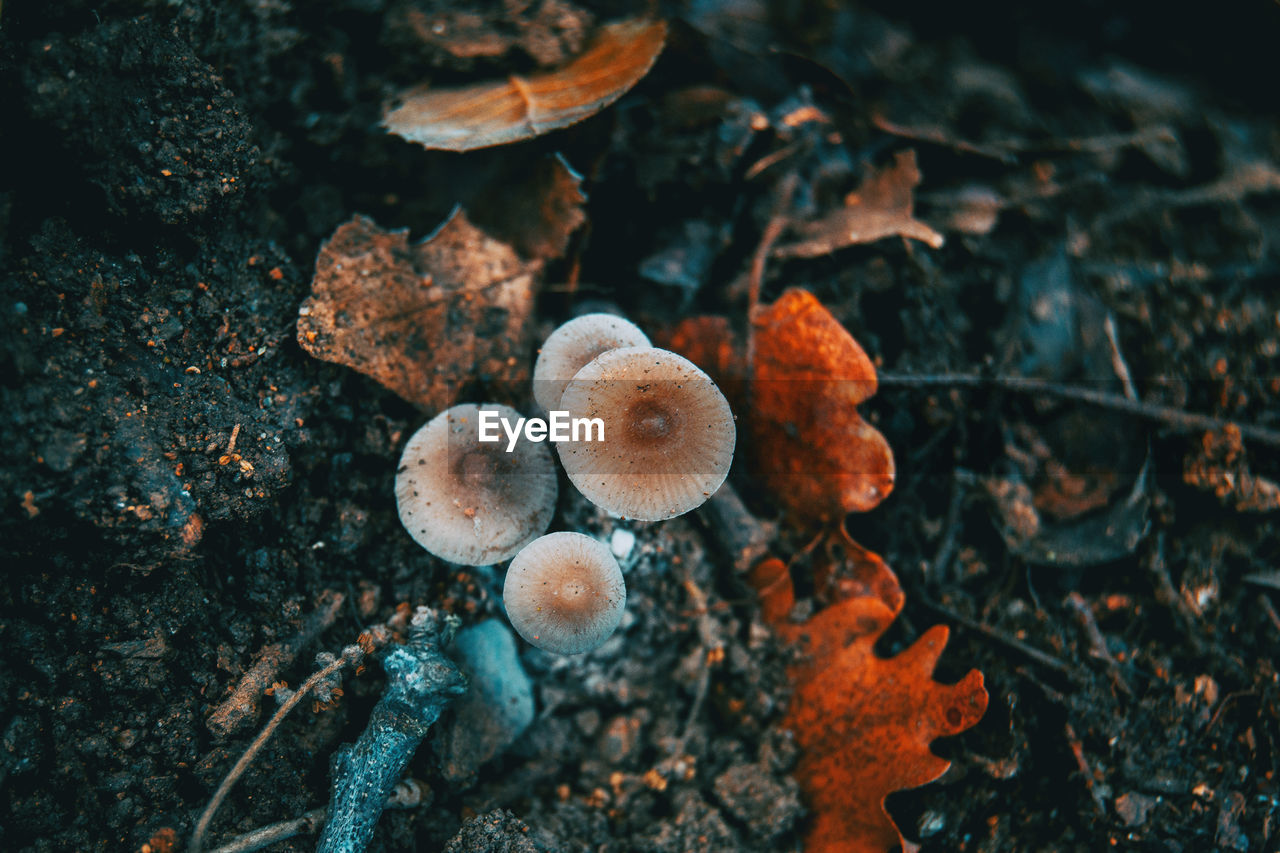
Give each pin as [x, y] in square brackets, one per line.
[668, 441]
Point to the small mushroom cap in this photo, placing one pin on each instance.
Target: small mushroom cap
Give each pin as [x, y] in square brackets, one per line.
[668, 433]
[568, 349]
[564, 593]
[468, 501]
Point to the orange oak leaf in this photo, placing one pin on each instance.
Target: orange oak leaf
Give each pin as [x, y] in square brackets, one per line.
[811, 447]
[864, 723]
[807, 443]
[502, 111]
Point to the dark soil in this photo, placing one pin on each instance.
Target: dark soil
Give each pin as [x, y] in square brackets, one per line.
[184, 485]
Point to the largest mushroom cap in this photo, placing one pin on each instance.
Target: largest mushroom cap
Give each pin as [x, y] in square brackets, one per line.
[568, 349]
[668, 433]
[468, 501]
[564, 593]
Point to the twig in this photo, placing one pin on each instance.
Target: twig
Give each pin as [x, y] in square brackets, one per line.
[1167, 594]
[1270, 609]
[1077, 749]
[1030, 651]
[710, 646]
[1222, 706]
[1177, 419]
[755, 282]
[243, 702]
[377, 636]
[1243, 180]
[743, 537]
[1097, 643]
[1118, 364]
[350, 655]
[421, 681]
[409, 794]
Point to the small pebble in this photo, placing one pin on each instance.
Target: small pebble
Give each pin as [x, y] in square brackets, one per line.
[621, 543]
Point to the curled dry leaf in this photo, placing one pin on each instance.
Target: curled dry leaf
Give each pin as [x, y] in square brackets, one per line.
[423, 320]
[808, 445]
[882, 206]
[1087, 540]
[500, 112]
[864, 723]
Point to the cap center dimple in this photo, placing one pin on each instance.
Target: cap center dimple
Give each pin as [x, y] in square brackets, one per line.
[651, 421]
[477, 468]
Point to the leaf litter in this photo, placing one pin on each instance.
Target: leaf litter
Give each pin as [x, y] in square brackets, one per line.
[518, 108]
[425, 320]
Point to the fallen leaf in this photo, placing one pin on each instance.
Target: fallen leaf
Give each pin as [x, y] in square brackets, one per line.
[424, 319]
[882, 206]
[456, 34]
[710, 342]
[1096, 537]
[771, 579]
[536, 208]
[864, 723]
[809, 445]
[500, 112]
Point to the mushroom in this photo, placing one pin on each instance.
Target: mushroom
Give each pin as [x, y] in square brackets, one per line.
[668, 433]
[571, 346]
[564, 593]
[472, 502]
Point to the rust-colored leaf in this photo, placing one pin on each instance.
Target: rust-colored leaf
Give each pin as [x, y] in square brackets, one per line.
[709, 342]
[811, 448]
[882, 206]
[771, 579]
[500, 112]
[864, 723]
[425, 319]
[806, 441]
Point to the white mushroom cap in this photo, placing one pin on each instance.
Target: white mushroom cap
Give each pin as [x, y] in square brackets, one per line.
[668, 433]
[570, 347]
[564, 593]
[471, 502]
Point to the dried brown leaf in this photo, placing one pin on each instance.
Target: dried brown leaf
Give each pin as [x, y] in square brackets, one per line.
[538, 211]
[500, 112]
[882, 206]
[422, 319]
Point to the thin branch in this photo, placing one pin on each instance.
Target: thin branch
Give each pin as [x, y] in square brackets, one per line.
[772, 231]
[351, 654]
[1027, 649]
[1177, 419]
[376, 637]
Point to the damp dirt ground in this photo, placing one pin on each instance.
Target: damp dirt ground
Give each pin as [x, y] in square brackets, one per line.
[183, 486]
